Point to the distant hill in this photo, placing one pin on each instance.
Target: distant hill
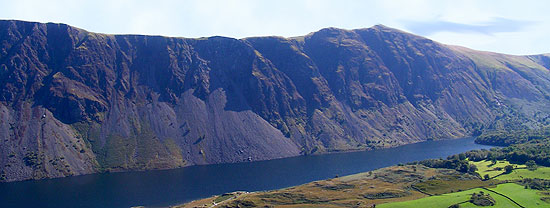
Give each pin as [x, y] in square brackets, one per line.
[75, 102]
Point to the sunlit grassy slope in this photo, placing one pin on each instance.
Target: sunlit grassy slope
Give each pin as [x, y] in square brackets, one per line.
[525, 197]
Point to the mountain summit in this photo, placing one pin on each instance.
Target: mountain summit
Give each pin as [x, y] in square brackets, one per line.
[75, 102]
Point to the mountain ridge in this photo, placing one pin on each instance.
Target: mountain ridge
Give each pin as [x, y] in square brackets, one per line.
[75, 102]
[266, 36]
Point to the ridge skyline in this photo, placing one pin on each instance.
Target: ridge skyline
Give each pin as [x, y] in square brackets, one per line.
[379, 25]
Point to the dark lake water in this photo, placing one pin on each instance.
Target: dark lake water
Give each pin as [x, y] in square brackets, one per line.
[168, 187]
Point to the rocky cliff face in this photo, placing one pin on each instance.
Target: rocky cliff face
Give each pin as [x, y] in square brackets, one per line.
[74, 102]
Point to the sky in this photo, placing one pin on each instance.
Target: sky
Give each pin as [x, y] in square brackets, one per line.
[505, 26]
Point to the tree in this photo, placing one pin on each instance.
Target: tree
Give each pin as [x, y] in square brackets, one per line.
[508, 169]
[486, 177]
[531, 165]
[461, 156]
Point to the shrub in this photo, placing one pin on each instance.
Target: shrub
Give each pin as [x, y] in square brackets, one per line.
[482, 199]
[531, 165]
[508, 168]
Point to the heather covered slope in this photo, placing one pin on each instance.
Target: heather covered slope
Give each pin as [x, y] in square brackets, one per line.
[75, 102]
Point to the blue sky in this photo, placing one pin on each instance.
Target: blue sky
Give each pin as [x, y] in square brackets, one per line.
[513, 27]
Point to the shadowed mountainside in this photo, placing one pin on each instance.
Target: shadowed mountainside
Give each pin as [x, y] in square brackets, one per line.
[74, 102]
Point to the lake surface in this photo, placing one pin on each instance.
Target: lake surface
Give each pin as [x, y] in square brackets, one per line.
[169, 187]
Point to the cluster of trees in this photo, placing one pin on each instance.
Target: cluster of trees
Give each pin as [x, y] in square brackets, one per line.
[507, 138]
[536, 183]
[450, 163]
[521, 146]
[530, 147]
[482, 199]
[537, 151]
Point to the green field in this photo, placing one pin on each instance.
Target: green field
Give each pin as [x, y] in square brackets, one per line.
[541, 172]
[525, 197]
[486, 167]
[446, 200]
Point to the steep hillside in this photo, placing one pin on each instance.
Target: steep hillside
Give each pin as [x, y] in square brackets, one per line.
[74, 102]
